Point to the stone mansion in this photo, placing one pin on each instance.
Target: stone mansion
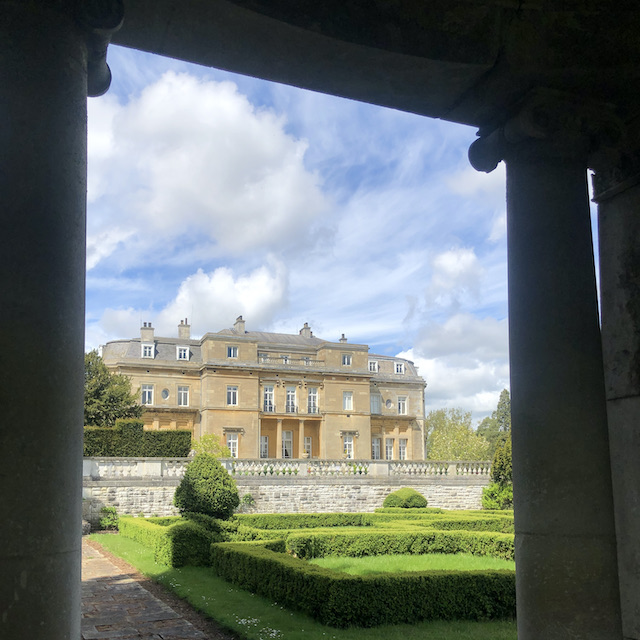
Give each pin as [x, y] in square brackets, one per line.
[275, 395]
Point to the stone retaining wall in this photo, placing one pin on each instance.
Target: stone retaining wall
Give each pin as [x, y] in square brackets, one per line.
[148, 488]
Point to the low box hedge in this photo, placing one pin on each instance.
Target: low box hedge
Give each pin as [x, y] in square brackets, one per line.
[175, 542]
[385, 542]
[303, 520]
[342, 600]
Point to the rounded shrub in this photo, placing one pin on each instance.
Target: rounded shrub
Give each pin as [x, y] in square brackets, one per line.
[207, 488]
[406, 499]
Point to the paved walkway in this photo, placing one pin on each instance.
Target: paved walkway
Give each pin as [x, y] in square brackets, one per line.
[115, 605]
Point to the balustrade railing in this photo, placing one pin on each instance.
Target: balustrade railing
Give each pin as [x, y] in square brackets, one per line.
[123, 468]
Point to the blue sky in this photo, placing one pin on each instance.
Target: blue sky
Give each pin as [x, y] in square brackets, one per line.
[213, 195]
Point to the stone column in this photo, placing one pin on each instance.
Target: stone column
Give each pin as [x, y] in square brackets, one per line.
[45, 51]
[617, 191]
[566, 573]
[300, 438]
[279, 438]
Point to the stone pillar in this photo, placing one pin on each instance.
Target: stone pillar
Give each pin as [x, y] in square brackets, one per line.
[300, 438]
[617, 191]
[566, 573]
[45, 51]
[279, 438]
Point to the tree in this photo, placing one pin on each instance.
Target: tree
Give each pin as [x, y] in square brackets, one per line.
[451, 437]
[210, 443]
[207, 487]
[494, 428]
[107, 396]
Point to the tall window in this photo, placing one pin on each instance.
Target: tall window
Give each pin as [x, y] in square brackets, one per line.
[285, 359]
[232, 396]
[376, 403]
[346, 359]
[147, 350]
[347, 442]
[291, 400]
[306, 360]
[264, 446]
[183, 396]
[312, 400]
[347, 400]
[182, 353]
[147, 393]
[287, 444]
[402, 405]
[268, 399]
[308, 445]
[402, 449]
[232, 443]
[373, 366]
[232, 351]
[375, 448]
[388, 448]
[399, 367]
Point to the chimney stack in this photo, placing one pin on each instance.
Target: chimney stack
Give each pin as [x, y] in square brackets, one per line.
[238, 326]
[343, 339]
[146, 332]
[305, 332]
[184, 330]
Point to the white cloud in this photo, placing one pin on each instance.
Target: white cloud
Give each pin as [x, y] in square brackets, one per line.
[456, 275]
[195, 156]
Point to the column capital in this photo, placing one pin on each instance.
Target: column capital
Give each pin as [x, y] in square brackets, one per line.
[548, 124]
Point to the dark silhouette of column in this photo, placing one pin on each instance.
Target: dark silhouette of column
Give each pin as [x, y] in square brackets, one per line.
[566, 566]
[46, 49]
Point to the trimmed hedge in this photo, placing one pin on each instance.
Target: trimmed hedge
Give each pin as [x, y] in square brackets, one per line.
[405, 498]
[383, 542]
[302, 520]
[342, 600]
[129, 439]
[175, 542]
[415, 510]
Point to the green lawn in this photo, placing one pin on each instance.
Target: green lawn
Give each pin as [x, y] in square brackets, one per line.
[255, 618]
[429, 562]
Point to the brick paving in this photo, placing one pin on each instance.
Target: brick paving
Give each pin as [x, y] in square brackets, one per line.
[116, 606]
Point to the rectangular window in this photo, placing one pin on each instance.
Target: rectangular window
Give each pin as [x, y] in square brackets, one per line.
[232, 352]
[287, 444]
[402, 405]
[348, 447]
[308, 445]
[182, 353]
[375, 448]
[346, 359]
[264, 446]
[291, 400]
[376, 403]
[306, 361]
[263, 357]
[347, 400]
[232, 396]
[388, 448]
[312, 400]
[399, 367]
[232, 444]
[373, 366]
[402, 449]
[183, 396]
[148, 350]
[147, 394]
[285, 359]
[269, 406]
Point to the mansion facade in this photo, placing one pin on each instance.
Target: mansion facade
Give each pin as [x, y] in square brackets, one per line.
[274, 395]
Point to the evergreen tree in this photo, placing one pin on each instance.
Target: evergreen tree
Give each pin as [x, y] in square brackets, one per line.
[494, 428]
[107, 396]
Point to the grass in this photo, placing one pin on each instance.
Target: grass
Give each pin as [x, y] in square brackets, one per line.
[405, 563]
[255, 618]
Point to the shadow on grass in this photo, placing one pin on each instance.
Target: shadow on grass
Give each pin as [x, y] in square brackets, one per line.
[252, 617]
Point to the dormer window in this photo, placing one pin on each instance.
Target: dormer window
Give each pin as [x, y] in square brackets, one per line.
[182, 353]
[285, 359]
[346, 359]
[232, 351]
[373, 366]
[399, 367]
[148, 350]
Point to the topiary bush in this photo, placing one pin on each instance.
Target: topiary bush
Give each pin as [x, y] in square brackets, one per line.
[406, 499]
[207, 488]
[496, 496]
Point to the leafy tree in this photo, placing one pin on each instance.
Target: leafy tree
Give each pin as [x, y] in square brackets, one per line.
[211, 443]
[451, 437]
[207, 488]
[499, 494]
[494, 427]
[107, 396]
